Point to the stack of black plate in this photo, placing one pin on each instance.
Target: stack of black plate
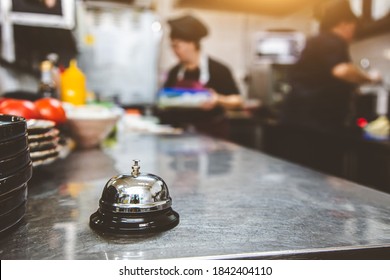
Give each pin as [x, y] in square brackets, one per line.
[15, 170]
[43, 138]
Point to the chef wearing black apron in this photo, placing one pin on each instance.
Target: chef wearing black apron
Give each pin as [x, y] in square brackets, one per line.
[324, 77]
[196, 70]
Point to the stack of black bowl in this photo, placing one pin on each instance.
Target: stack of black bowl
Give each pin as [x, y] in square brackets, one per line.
[15, 170]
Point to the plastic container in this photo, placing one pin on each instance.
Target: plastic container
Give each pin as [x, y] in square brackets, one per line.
[73, 85]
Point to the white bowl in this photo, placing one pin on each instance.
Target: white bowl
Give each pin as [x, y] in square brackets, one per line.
[90, 125]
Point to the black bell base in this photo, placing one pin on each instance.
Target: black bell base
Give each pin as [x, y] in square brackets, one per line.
[133, 223]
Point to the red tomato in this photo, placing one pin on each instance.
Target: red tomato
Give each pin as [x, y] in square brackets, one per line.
[22, 108]
[2, 99]
[51, 109]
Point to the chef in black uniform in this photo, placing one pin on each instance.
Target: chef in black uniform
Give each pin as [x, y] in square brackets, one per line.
[324, 77]
[196, 70]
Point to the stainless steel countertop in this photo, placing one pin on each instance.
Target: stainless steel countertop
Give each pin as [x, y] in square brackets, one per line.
[233, 203]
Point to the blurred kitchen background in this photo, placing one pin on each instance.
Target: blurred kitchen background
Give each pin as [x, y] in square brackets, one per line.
[128, 40]
[123, 48]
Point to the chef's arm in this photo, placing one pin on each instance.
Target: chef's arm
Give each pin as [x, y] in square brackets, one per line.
[350, 73]
[229, 101]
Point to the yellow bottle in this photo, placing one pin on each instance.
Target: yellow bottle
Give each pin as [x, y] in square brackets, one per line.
[73, 85]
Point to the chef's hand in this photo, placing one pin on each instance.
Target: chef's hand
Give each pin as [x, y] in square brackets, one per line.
[212, 102]
[231, 101]
[50, 3]
[375, 76]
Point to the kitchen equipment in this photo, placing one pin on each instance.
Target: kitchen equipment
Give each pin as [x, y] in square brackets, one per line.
[38, 129]
[135, 203]
[378, 129]
[13, 146]
[90, 125]
[16, 180]
[15, 170]
[13, 136]
[43, 138]
[11, 127]
[12, 218]
[10, 165]
[12, 200]
[274, 54]
[119, 48]
[31, 30]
